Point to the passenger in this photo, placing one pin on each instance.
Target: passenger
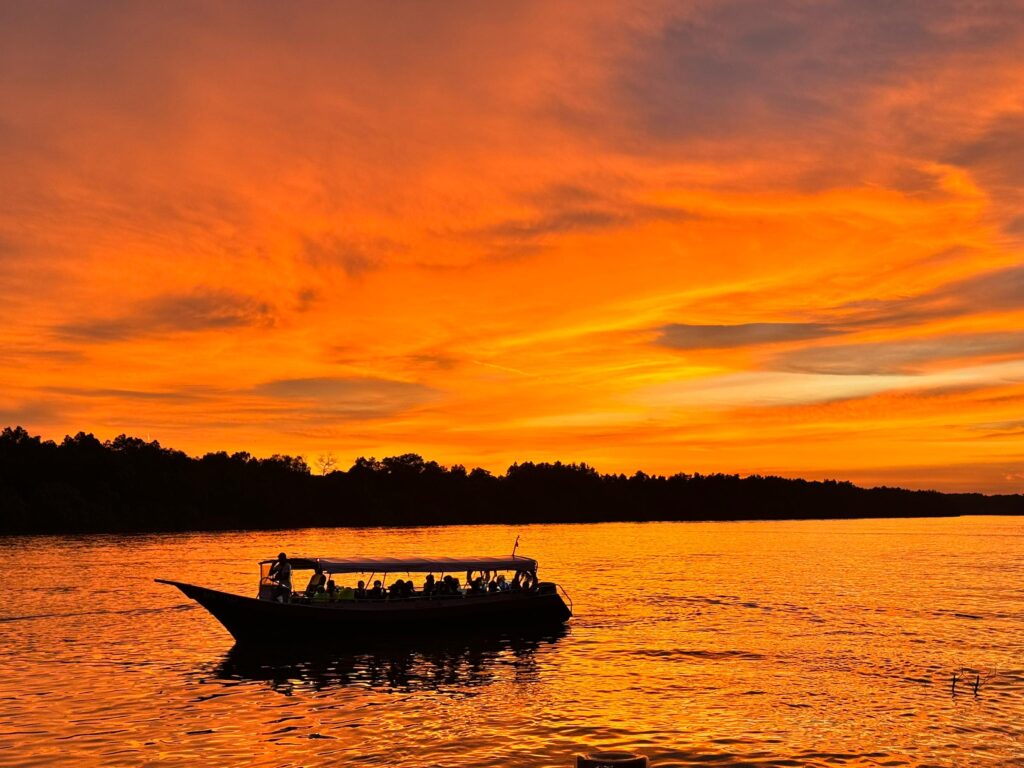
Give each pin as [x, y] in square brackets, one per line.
[477, 586]
[408, 589]
[377, 593]
[360, 593]
[500, 584]
[316, 583]
[281, 574]
[492, 587]
[332, 590]
[530, 581]
[456, 587]
[428, 585]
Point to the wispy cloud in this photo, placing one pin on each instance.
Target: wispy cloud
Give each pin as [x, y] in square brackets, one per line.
[354, 255]
[683, 336]
[174, 396]
[352, 397]
[998, 291]
[172, 313]
[559, 210]
[888, 358]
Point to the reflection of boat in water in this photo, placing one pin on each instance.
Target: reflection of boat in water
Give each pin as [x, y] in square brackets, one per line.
[437, 664]
[345, 614]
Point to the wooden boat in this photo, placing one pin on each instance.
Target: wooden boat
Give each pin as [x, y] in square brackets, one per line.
[310, 616]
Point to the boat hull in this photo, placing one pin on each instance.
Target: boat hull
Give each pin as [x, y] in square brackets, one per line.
[253, 621]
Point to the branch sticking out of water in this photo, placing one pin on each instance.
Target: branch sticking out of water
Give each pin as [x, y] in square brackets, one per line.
[963, 675]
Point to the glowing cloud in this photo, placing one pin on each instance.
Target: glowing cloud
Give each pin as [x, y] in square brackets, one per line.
[716, 236]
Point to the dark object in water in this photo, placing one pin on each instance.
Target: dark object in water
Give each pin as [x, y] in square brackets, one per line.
[611, 760]
[264, 619]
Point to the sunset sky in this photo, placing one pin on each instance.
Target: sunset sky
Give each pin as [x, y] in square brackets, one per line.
[758, 237]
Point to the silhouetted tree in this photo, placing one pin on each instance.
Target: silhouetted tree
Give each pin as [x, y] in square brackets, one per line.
[326, 462]
[129, 484]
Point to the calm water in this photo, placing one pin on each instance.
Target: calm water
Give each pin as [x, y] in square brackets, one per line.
[796, 643]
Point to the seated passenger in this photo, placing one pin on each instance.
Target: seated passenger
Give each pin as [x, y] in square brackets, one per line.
[477, 586]
[428, 585]
[332, 589]
[316, 583]
[377, 592]
[500, 584]
[360, 593]
[408, 590]
[492, 587]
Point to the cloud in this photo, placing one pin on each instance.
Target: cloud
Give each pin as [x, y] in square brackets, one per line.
[353, 397]
[997, 291]
[685, 336]
[1015, 226]
[570, 220]
[565, 209]
[775, 388]
[890, 358]
[129, 394]
[437, 360]
[791, 69]
[30, 413]
[356, 256]
[997, 152]
[1000, 429]
[173, 313]
[1000, 290]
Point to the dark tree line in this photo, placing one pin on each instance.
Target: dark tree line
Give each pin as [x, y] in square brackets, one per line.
[128, 484]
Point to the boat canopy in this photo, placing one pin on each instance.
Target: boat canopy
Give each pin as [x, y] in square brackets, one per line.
[412, 564]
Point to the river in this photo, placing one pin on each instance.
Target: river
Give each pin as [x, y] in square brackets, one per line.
[817, 643]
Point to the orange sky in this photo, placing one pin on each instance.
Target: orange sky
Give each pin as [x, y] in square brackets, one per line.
[710, 236]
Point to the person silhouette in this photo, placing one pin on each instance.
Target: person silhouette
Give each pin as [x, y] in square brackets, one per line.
[281, 574]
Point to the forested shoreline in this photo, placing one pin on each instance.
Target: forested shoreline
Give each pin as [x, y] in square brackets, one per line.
[127, 484]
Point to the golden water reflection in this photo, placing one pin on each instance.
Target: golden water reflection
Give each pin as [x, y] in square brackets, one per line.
[452, 666]
[815, 643]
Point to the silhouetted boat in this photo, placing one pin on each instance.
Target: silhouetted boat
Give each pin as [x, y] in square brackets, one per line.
[308, 617]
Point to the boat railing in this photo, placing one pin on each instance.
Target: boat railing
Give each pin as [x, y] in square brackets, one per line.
[566, 596]
[303, 598]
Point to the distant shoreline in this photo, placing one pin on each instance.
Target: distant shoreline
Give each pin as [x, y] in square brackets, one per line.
[129, 486]
[411, 526]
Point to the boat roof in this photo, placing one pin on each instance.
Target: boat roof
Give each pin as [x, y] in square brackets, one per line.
[412, 564]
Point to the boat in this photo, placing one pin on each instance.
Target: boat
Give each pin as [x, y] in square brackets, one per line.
[340, 614]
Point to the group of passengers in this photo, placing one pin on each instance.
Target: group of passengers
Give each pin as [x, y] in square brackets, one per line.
[322, 589]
